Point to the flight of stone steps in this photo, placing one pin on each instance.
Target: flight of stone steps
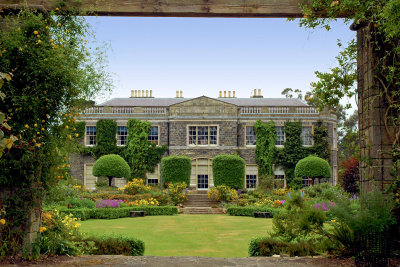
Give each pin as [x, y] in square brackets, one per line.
[199, 203]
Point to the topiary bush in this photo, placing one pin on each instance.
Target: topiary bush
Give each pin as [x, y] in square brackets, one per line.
[228, 170]
[111, 166]
[313, 167]
[116, 245]
[176, 169]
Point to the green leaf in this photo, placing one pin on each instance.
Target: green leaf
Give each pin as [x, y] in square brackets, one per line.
[2, 117]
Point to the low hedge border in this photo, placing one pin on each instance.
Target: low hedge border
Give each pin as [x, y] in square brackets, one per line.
[116, 245]
[267, 246]
[114, 213]
[249, 210]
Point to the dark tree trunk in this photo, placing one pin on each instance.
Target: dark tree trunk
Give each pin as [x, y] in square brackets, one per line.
[109, 181]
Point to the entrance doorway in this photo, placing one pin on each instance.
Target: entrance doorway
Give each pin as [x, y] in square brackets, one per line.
[201, 177]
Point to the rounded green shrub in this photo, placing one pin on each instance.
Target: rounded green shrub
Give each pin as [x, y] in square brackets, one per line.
[111, 166]
[228, 170]
[313, 167]
[176, 169]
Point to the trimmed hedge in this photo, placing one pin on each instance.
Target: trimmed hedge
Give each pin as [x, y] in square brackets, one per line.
[249, 210]
[115, 213]
[116, 245]
[111, 166]
[228, 170]
[268, 246]
[313, 167]
[176, 169]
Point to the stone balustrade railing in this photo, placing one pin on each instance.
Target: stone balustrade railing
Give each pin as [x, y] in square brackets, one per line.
[123, 110]
[278, 110]
[155, 110]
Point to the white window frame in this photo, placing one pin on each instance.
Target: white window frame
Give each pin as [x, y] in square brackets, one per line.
[119, 136]
[158, 135]
[312, 132]
[87, 136]
[197, 135]
[255, 184]
[245, 136]
[284, 136]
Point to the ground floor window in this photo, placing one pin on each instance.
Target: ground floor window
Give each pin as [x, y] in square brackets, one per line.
[279, 181]
[307, 181]
[251, 181]
[202, 181]
[152, 181]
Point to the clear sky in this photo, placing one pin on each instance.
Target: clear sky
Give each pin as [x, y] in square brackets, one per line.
[202, 56]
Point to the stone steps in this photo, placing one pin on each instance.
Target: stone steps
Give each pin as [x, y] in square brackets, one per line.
[201, 210]
[199, 203]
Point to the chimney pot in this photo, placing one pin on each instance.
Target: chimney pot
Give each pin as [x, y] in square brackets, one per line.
[151, 93]
[181, 93]
[224, 93]
[139, 93]
[147, 93]
[233, 94]
[132, 93]
[177, 93]
[255, 92]
[259, 92]
[142, 93]
[220, 94]
[229, 94]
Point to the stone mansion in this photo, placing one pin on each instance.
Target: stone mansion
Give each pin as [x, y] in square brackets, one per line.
[202, 128]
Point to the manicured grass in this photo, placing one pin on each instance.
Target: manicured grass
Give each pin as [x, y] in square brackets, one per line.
[187, 235]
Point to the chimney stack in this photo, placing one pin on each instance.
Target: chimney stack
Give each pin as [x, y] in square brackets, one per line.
[132, 94]
[151, 93]
[177, 94]
[255, 93]
[259, 92]
[142, 93]
[139, 93]
[233, 94]
[224, 93]
[229, 94]
[181, 94]
[147, 93]
[220, 94]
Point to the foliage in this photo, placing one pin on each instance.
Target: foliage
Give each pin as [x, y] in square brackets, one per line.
[268, 246]
[222, 193]
[141, 155]
[228, 170]
[59, 192]
[313, 167]
[177, 192]
[60, 235]
[321, 142]
[350, 175]
[111, 166]
[249, 210]
[136, 186]
[116, 245]
[109, 203]
[265, 147]
[176, 169]
[50, 68]
[144, 202]
[106, 138]
[77, 203]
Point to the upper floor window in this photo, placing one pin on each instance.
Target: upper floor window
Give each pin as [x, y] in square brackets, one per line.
[90, 135]
[122, 135]
[203, 135]
[306, 135]
[250, 136]
[280, 135]
[153, 135]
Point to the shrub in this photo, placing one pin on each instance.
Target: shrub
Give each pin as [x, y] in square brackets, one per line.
[116, 245]
[144, 202]
[267, 246]
[77, 203]
[249, 210]
[350, 175]
[176, 169]
[313, 167]
[136, 186]
[228, 170]
[177, 192]
[111, 166]
[222, 193]
[109, 203]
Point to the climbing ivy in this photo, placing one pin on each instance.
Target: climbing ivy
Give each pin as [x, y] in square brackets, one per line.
[106, 141]
[141, 155]
[321, 142]
[265, 147]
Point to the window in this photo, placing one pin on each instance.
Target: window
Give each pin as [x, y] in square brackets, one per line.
[251, 181]
[202, 181]
[307, 181]
[122, 135]
[280, 135]
[279, 180]
[152, 181]
[306, 135]
[90, 135]
[153, 135]
[203, 135]
[250, 136]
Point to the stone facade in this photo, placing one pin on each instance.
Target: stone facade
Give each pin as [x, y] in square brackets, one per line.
[229, 116]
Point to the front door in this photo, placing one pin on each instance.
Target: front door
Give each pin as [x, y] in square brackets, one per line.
[202, 181]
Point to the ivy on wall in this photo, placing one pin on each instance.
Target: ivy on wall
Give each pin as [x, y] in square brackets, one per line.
[106, 140]
[267, 154]
[265, 147]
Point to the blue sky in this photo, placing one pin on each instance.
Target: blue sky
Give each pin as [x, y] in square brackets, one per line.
[202, 56]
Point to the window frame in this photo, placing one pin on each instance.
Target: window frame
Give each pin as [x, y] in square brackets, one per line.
[245, 136]
[158, 135]
[312, 133]
[284, 136]
[197, 135]
[119, 140]
[255, 184]
[86, 136]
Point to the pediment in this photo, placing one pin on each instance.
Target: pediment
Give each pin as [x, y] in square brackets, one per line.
[203, 106]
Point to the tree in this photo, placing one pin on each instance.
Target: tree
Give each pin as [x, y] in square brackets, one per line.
[141, 155]
[313, 167]
[288, 93]
[50, 68]
[350, 175]
[111, 166]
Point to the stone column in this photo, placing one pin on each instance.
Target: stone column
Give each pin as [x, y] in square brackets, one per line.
[375, 143]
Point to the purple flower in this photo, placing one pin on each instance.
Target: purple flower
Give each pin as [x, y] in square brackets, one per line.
[354, 197]
[302, 194]
[109, 203]
[288, 195]
[324, 206]
[283, 201]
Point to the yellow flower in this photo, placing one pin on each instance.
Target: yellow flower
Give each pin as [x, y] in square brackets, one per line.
[51, 40]
[397, 194]
[57, 10]
[35, 125]
[39, 42]
[397, 200]
[38, 36]
[333, 221]
[19, 29]
[59, 24]
[20, 49]
[42, 229]
[66, 127]
[26, 126]
[76, 135]
[2, 221]
[42, 129]
[35, 32]
[37, 132]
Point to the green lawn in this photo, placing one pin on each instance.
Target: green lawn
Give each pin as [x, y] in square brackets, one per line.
[187, 235]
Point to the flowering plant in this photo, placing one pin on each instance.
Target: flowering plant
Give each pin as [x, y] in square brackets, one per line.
[324, 206]
[109, 203]
[136, 186]
[144, 202]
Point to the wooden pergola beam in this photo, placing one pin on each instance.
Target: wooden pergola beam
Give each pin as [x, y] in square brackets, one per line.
[173, 8]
